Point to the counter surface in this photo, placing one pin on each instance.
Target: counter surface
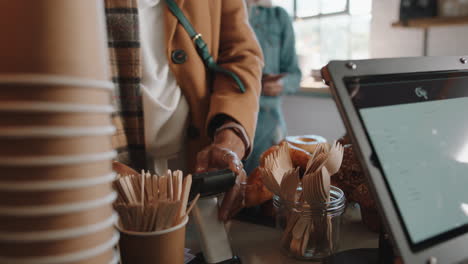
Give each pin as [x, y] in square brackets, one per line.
[257, 244]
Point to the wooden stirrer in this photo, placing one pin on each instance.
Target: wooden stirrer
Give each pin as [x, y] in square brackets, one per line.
[131, 193]
[155, 187]
[194, 201]
[180, 178]
[162, 187]
[170, 187]
[186, 185]
[142, 190]
[154, 213]
[175, 185]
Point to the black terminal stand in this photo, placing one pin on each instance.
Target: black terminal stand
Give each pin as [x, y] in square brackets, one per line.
[211, 184]
[382, 255]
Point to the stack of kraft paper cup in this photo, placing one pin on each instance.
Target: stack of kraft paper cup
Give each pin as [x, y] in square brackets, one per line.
[55, 134]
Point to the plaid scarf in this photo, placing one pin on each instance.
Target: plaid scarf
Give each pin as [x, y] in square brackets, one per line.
[124, 52]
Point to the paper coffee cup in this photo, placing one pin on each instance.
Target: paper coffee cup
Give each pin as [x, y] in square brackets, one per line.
[37, 146]
[18, 114]
[49, 80]
[55, 222]
[55, 210]
[115, 259]
[51, 36]
[80, 257]
[56, 172]
[54, 197]
[60, 234]
[28, 132]
[67, 184]
[162, 247]
[42, 161]
[108, 257]
[20, 119]
[53, 107]
[63, 94]
[55, 247]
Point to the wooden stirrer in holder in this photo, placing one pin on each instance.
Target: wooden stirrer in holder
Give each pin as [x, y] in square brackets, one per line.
[148, 203]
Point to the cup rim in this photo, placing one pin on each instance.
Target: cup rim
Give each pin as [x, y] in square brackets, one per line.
[56, 159]
[115, 259]
[31, 186]
[48, 210]
[155, 233]
[67, 233]
[34, 79]
[315, 139]
[66, 258]
[55, 131]
[40, 106]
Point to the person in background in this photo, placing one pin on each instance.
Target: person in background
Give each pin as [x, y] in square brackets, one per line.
[174, 113]
[281, 73]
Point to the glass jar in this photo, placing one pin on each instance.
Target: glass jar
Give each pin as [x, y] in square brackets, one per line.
[310, 231]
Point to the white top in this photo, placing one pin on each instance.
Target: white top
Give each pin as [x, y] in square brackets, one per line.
[164, 106]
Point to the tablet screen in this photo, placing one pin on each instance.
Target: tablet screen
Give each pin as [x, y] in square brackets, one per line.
[418, 129]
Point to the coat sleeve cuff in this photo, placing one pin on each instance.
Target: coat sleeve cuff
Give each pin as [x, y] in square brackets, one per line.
[240, 132]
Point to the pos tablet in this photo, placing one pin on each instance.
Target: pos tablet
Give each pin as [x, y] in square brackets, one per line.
[408, 120]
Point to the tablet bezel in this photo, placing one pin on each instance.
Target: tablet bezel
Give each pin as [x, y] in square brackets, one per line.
[451, 251]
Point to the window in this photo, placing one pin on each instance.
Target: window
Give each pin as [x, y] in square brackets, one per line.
[329, 30]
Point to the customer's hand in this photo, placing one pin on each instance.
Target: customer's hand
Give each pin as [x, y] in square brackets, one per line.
[224, 153]
[272, 84]
[234, 199]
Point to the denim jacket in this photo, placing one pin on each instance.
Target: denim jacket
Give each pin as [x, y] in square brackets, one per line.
[275, 33]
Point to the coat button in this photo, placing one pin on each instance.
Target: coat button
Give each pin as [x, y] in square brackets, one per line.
[193, 132]
[179, 56]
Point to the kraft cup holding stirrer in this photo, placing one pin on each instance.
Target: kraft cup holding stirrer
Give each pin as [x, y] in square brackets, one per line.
[164, 246]
[153, 214]
[214, 240]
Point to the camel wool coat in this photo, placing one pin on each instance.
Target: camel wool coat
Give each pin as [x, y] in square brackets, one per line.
[211, 96]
